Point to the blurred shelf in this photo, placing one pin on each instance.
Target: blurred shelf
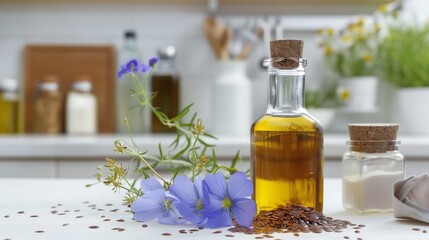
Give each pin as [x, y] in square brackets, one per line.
[100, 146]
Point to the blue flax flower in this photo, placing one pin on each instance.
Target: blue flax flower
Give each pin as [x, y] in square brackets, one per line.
[132, 66]
[223, 200]
[155, 203]
[153, 61]
[190, 199]
[145, 68]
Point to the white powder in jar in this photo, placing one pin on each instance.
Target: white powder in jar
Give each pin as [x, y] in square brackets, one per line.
[371, 192]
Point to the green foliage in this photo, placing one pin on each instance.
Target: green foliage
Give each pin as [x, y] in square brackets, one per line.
[321, 98]
[190, 153]
[404, 56]
[350, 51]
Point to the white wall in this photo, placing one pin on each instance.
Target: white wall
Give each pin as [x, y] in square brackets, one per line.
[159, 25]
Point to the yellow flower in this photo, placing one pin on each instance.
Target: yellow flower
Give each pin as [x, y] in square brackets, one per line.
[367, 57]
[119, 147]
[383, 8]
[344, 95]
[202, 161]
[352, 27]
[377, 27]
[346, 38]
[330, 32]
[110, 162]
[361, 37]
[329, 51]
[198, 128]
[128, 199]
[360, 22]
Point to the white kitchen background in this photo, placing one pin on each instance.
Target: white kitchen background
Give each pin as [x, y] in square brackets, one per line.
[180, 25]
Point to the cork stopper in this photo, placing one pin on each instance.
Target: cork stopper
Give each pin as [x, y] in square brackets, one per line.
[286, 48]
[373, 138]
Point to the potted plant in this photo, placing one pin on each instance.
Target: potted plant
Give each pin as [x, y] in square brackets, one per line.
[404, 62]
[320, 104]
[351, 53]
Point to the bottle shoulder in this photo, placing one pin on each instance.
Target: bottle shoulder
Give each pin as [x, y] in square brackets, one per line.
[287, 123]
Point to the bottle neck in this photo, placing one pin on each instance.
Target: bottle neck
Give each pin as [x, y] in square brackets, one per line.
[166, 66]
[130, 43]
[286, 91]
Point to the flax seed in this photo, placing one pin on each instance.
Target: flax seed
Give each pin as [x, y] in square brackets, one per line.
[294, 218]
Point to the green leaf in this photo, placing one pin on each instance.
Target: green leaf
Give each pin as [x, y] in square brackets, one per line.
[182, 113]
[214, 160]
[236, 158]
[161, 154]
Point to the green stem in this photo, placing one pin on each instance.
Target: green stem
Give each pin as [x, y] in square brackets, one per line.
[132, 188]
[194, 157]
[149, 166]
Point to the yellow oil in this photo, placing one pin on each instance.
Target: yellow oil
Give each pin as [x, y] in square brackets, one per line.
[287, 162]
[8, 115]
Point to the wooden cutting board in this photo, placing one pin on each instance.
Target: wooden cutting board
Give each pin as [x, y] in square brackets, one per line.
[67, 63]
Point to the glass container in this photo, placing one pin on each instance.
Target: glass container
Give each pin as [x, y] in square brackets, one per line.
[165, 83]
[287, 144]
[126, 105]
[8, 106]
[369, 170]
[81, 109]
[48, 109]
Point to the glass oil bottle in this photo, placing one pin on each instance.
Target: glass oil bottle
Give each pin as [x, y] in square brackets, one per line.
[287, 142]
[165, 83]
[126, 105]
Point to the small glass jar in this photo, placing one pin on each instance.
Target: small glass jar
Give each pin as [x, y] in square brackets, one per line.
[9, 106]
[48, 109]
[369, 170]
[81, 109]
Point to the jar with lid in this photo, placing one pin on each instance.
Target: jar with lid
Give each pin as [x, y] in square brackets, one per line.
[8, 105]
[371, 167]
[48, 108]
[287, 142]
[81, 109]
[165, 83]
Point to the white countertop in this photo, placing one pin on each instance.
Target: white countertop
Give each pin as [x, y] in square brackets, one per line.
[26, 207]
[63, 146]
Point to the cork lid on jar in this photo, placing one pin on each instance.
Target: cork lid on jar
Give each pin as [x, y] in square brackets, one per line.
[373, 137]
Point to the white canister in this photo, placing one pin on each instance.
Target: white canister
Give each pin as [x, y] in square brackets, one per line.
[232, 100]
[81, 109]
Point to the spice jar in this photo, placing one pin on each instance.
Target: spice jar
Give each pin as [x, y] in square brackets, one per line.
[8, 105]
[48, 108]
[287, 142]
[371, 167]
[81, 109]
